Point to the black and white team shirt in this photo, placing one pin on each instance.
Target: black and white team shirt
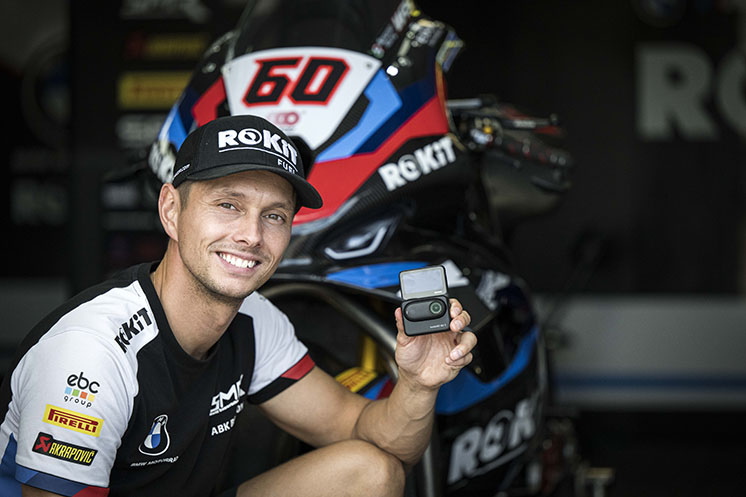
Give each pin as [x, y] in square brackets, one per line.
[102, 400]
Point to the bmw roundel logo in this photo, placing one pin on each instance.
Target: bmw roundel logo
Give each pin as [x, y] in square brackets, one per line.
[157, 440]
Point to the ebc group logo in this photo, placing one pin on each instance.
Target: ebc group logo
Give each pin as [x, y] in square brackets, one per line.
[80, 390]
[72, 420]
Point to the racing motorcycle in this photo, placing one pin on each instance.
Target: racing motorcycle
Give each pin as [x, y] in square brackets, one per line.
[409, 179]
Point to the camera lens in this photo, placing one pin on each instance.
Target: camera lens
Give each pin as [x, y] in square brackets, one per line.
[436, 307]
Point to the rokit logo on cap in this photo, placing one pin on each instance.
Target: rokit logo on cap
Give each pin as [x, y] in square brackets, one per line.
[272, 143]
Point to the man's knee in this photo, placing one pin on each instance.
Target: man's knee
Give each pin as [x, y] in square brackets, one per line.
[378, 470]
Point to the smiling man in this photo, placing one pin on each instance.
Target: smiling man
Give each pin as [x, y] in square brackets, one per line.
[132, 388]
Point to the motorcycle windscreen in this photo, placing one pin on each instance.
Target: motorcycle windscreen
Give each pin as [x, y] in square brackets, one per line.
[350, 24]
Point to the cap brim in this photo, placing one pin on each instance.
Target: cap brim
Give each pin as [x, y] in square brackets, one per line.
[308, 196]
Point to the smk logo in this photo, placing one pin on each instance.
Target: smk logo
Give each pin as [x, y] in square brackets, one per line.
[411, 167]
[76, 393]
[72, 420]
[157, 441]
[225, 400]
[132, 327]
[46, 445]
[251, 138]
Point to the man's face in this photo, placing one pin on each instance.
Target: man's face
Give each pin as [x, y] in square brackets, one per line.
[232, 231]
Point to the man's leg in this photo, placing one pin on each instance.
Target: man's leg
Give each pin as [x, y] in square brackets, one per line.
[349, 468]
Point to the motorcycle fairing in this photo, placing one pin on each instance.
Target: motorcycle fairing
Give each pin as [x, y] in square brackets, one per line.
[368, 111]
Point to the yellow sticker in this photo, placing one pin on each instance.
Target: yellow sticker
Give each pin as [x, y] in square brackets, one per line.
[72, 420]
[356, 378]
[150, 90]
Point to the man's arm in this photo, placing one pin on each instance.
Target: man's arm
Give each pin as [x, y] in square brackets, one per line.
[320, 411]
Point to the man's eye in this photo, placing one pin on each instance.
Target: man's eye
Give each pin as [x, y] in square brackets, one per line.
[226, 205]
[277, 218]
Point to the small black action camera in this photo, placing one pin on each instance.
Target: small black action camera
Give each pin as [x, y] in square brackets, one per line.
[425, 294]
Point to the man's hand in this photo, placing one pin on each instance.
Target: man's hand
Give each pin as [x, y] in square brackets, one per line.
[436, 358]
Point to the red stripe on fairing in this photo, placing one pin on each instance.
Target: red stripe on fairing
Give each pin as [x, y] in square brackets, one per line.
[300, 369]
[337, 180]
[206, 108]
[93, 492]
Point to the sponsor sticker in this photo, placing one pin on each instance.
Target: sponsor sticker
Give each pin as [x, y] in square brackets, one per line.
[47, 445]
[72, 420]
[157, 440]
[150, 90]
[356, 378]
[225, 400]
[423, 161]
[130, 328]
[480, 449]
[80, 390]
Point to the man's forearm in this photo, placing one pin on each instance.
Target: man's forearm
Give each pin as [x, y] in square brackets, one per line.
[400, 424]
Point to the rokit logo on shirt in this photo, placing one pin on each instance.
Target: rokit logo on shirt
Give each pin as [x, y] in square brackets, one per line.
[132, 327]
[46, 445]
[80, 390]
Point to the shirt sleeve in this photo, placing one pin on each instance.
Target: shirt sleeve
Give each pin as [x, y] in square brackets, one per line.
[72, 397]
[280, 358]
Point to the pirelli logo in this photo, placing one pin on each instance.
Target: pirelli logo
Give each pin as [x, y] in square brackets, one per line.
[72, 420]
[46, 445]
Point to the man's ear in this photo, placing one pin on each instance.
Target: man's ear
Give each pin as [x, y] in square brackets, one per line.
[169, 205]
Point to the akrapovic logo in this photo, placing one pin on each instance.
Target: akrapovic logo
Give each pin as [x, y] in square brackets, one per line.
[270, 142]
[423, 161]
[47, 445]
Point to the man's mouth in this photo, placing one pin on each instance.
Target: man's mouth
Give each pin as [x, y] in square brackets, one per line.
[238, 261]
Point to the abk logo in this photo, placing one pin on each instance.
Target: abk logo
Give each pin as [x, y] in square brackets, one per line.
[157, 441]
[232, 397]
[72, 420]
[46, 445]
[132, 327]
[230, 139]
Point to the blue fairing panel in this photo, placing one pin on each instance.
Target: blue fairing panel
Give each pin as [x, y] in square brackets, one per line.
[466, 389]
[375, 275]
[383, 102]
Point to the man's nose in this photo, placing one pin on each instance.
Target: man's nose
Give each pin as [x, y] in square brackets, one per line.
[250, 230]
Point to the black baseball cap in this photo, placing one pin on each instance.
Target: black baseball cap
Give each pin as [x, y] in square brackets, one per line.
[233, 144]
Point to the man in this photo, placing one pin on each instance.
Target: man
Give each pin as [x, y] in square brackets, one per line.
[133, 386]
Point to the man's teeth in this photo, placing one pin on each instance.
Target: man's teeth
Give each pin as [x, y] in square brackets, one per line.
[237, 261]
